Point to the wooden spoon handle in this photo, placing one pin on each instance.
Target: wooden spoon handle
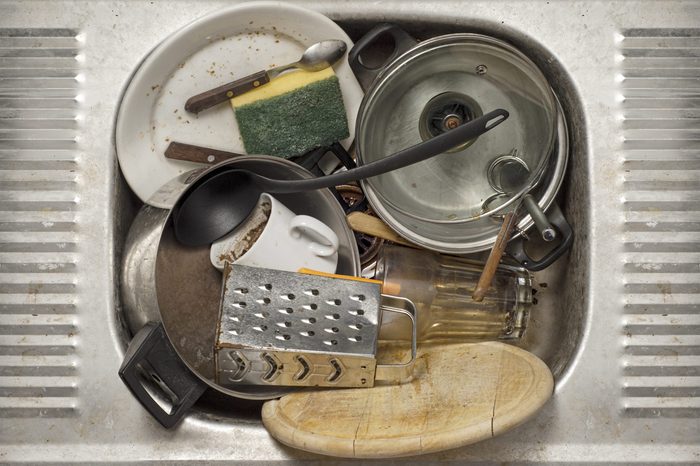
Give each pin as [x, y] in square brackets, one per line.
[225, 92]
[373, 226]
[494, 258]
[190, 153]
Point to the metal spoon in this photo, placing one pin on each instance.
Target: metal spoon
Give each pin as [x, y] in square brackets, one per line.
[215, 206]
[317, 57]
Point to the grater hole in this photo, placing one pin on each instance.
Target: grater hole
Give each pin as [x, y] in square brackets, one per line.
[334, 316]
[305, 368]
[310, 333]
[311, 292]
[284, 336]
[288, 296]
[357, 312]
[355, 338]
[263, 301]
[334, 302]
[287, 310]
[241, 290]
[234, 331]
[287, 324]
[332, 330]
[337, 371]
[272, 366]
[330, 342]
[260, 328]
[234, 318]
[240, 304]
[310, 307]
[312, 320]
[358, 297]
[355, 326]
[240, 364]
[266, 287]
[262, 315]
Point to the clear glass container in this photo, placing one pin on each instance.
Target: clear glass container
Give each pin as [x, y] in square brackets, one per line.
[441, 287]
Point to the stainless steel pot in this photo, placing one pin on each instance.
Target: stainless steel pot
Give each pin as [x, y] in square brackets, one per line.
[171, 294]
[438, 204]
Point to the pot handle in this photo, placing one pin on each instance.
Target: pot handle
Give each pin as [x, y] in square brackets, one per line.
[150, 351]
[516, 248]
[403, 42]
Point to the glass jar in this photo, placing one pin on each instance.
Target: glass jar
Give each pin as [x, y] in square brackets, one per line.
[441, 287]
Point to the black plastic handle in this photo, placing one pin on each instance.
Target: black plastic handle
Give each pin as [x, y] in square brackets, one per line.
[414, 154]
[516, 248]
[403, 42]
[150, 352]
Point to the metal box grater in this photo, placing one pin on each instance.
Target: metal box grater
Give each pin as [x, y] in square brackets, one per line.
[293, 329]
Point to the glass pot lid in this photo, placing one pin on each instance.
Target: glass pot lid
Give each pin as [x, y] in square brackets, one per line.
[436, 86]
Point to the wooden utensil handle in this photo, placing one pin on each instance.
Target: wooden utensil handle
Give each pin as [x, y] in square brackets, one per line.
[373, 226]
[494, 258]
[190, 153]
[225, 92]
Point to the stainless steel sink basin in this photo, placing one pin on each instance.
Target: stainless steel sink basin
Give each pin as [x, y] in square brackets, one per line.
[618, 320]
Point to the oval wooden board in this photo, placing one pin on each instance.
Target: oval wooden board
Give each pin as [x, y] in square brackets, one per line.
[461, 394]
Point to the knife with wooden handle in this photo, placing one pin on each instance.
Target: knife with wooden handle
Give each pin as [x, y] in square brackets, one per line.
[199, 154]
[225, 92]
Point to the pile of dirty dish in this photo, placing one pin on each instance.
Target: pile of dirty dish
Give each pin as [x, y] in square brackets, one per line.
[343, 234]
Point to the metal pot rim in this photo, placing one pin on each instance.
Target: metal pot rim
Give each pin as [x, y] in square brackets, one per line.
[559, 143]
[544, 200]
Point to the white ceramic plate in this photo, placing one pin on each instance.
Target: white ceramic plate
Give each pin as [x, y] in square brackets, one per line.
[213, 50]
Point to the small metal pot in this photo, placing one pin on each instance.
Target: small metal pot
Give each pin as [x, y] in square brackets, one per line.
[171, 293]
[438, 204]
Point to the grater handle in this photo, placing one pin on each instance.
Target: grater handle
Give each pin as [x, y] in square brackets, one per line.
[399, 373]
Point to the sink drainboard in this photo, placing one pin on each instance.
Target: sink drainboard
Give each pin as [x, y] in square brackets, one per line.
[661, 186]
[39, 222]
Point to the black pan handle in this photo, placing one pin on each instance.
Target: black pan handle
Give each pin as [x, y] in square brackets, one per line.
[516, 248]
[403, 42]
[150, 354]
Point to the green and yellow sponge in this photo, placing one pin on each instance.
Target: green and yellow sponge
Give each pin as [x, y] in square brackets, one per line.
[292, 114]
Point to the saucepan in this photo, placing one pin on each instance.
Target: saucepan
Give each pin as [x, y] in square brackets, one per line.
[171, 294]
[424, 89]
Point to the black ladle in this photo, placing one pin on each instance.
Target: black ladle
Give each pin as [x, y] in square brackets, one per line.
[219, 204]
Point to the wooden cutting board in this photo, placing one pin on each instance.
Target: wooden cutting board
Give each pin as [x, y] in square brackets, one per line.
[461, 394]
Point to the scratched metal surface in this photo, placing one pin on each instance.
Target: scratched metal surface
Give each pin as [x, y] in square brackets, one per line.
[619, 323]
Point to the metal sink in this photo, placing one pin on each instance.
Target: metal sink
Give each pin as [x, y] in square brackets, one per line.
[617, 321]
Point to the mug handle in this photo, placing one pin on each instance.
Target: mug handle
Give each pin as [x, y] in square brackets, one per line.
[320, 230]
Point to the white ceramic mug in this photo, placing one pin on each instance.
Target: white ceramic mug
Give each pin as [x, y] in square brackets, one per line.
[287, 242]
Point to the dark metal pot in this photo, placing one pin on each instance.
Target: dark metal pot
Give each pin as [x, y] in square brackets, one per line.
[171, 293]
